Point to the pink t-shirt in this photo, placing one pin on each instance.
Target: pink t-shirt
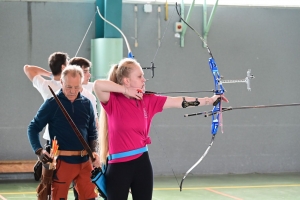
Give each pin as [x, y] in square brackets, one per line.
[129, 122]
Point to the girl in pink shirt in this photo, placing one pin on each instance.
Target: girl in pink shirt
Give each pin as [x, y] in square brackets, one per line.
[124, 126]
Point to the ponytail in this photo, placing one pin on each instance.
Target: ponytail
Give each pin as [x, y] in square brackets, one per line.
[103, 136]
[112, 74]
[103, 124]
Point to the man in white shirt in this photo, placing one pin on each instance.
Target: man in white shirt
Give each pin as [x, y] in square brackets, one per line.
[57, 62]
[85, 65]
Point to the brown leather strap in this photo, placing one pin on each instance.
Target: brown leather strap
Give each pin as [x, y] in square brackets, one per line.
[72, 153]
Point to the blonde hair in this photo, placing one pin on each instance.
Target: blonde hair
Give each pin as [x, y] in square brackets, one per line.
[116, 74]
[73, 70]
[121, 70]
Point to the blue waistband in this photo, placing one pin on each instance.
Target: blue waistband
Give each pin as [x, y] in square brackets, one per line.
[127, 153]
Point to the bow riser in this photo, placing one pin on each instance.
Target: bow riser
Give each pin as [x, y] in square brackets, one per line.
[219, 90]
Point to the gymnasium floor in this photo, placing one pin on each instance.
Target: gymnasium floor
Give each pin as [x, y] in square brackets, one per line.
[215, 187]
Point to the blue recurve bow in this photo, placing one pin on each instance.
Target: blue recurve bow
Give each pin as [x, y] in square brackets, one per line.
[218, 90]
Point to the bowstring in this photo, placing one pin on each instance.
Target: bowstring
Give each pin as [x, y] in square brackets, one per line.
[85, 34]
[166, 155]
[157, 49]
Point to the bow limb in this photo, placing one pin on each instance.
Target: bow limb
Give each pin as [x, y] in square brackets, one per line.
[199, 35]
[205, 153]
[130, 55]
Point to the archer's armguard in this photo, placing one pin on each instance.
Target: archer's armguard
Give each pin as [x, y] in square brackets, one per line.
[94, 145]
[186, 104]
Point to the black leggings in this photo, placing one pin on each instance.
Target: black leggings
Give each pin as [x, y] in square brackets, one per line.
[136, 175]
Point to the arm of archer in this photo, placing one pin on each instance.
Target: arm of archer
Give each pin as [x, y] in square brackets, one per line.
[102, 89]
[32, 71]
